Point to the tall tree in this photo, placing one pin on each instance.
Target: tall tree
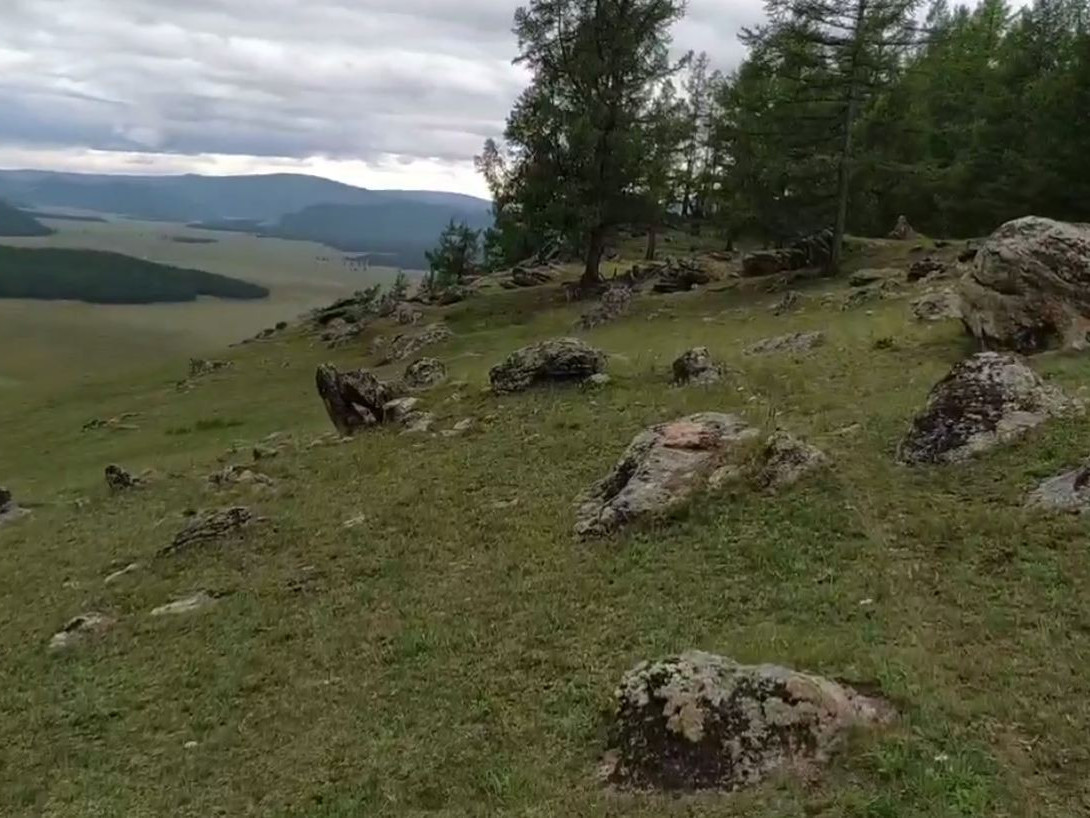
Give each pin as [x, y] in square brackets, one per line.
[575, 133]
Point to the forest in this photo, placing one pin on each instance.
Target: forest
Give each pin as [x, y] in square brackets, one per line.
[109, 278]
[845, 114]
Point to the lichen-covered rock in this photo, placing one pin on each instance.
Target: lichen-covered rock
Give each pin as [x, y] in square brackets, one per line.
[353, 400]
[795, 342]
[615, 302]
[9, 510]
[938, 305]
[1029, 288]
[405, 346]
[661, 470]
[696, 366]
[425, 373]
[701, 722]
[986, 400]
[80, 629]
[1068, 492]
[786, 460]
[208, 527]
[555, 361]
[120, 480]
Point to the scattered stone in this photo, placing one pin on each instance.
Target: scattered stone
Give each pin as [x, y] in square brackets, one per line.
[425, 373]
[189, 604]
[1030, 287]
[557, 360]
[615, 302]
[903, 231]
[407, 315]
[420, 423]
[787, 460]
[792, 300]
[120, 480]
[80, 629]
[937, 305]
[239, 475]
[986, 400]
[110, 579]
[117, 424]
[794, 342]
[405, 346]
[661, 470]
[598, 379]
[353, 400]
[264, 452]
[1068, 492]
[530, 276]
[928, 267]
[9, 510]
[864, 278]
[208, 527]
[199, 367]
[696, 366]
[704, 722]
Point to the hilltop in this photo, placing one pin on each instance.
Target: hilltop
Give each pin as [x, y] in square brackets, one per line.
[409, 624]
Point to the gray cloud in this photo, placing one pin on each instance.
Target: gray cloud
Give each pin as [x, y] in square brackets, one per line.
[344, 79]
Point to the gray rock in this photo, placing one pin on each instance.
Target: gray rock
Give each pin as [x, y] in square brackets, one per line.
[928, 267]
[120, 480]
[615, 302]
[353, 400]
[704, 722]
[405, 346]
[662, 469]
[795, 342]
[340, 333]
[786, 460]
[558, 360]
[864, 278]
[1068, 492]
[696, 366]
[239, 475]
[531, 276]
[419, 423]
[1029, 288]
[9, 509]
[986, 400]
[80, 629]
[425, 373]
[188, 604]
[400, 410]
[115, 576]
[208, 527]
[937, 305]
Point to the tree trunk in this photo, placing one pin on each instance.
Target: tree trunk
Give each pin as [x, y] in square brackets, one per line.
[592, 275]
[844, 171]
[652, 242]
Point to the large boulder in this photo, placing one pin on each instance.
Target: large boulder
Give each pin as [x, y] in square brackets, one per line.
[986, 400]
[701, 722]
[1029, 288]
[558, 360]
[662, 469]
[680, 275]
[786, 460]
[696, 366]
[353, 400]
[1068, 492]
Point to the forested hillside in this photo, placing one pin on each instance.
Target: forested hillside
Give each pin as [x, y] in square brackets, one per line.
[14, 222]
[108, 278]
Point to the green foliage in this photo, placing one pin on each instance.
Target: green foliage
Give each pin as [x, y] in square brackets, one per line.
[109, 278]
[15, 222]
[455, 257]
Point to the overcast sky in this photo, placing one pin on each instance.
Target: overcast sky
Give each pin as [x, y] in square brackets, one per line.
[381, 93]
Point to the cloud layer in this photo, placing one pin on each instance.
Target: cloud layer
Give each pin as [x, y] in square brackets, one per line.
[403, 91]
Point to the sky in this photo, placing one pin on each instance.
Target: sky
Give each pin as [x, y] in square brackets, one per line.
[377, 93]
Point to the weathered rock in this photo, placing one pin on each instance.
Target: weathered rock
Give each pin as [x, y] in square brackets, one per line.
[786, 460]
[419, 423]
[792, 300]
[239, 475]
[531, 276]
[425, 373]
[120, 480]
[679, 275]
[864, 278]
[902, 231]
[937, 305]
[208, 527]
[405, 346]
[1068, 492]
[661, 470]
[340, 333]
[400, 410]
[406, 315]
[928, 267]
[81, 629]
[696, 366]
[353, 400]
[1030, 287]
[795, 342]
[199, 367]
[9, 510]
[557, 360]
[614, 303]
[986, 400]
[701, 722]
[188, 604]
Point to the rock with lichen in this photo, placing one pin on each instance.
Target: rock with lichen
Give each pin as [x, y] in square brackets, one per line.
[555, 361]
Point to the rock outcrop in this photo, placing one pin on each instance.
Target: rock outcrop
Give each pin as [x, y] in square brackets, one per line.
[1029, 288]
[986, 400]
[795, 342]
[791, 300]
[704, 722]
[9, 509]
[81, 629]
[615, 302]
[937, 305]
[425, 373]
[405, 346]
[555, 361]
[208, 527]
[353, 400]
[696, 366]
[1068, 492]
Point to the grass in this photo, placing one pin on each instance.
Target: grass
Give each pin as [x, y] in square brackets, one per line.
[455, 653]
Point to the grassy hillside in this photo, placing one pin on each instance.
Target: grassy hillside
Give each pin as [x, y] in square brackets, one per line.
[14, 222]
[453, 649]
[109, 278]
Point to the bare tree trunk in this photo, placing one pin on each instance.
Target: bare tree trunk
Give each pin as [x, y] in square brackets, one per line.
[652, 242]
[592, 275]
[844, 171]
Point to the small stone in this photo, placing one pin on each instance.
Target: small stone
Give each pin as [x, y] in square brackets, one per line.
[189, 604]
[1068, 492]
[599, 379]
[80, 629]
[696, 366]
[262, 452]
[425, 373]
[794, 342]
[120, 480]
[463, 425]
[123, 572]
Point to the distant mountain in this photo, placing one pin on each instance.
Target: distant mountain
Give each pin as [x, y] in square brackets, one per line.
[14, 222]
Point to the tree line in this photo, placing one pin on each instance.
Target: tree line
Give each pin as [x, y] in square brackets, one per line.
[844, 114]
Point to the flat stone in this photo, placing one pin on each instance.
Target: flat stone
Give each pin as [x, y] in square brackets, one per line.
[188, 604]
[794, 342]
